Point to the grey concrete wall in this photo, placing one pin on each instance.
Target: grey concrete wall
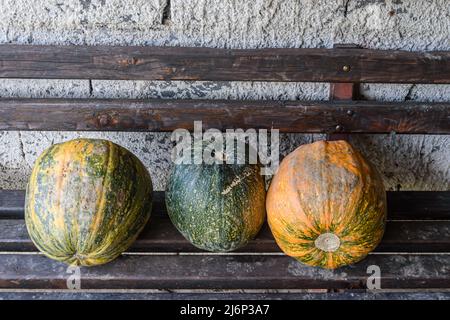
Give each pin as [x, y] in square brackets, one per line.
[407, 162]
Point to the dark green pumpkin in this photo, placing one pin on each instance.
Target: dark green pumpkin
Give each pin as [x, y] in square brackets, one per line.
[217, 207]
[87, 200]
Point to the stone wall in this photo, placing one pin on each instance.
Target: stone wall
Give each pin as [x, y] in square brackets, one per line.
[418, 162]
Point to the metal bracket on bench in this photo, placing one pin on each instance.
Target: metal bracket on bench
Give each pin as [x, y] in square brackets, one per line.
[343, 91]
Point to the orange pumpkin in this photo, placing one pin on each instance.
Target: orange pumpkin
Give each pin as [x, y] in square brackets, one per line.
[326, 206]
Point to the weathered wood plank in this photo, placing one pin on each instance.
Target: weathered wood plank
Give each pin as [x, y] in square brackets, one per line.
[222, 296]
[175, 63]
[224, 272]
[168, 115]
[161, 236]
[402, 205]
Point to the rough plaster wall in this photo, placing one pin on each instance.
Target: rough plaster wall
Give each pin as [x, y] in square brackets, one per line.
[407, 162]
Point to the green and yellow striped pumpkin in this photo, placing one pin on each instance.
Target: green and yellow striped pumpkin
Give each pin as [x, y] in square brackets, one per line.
[218, 207]
[326, 206]
[86, 201]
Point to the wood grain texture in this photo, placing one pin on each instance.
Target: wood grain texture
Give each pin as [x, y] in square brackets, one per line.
[168, 115]
[224, 272]
[402, 205]
[176, 63]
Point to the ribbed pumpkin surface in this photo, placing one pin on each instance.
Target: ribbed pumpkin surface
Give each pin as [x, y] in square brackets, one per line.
[326, 206]
[86, 201]
[217, 207]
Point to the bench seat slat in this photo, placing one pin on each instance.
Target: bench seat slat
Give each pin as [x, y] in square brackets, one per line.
[161, 236]
[224, 272]
[402, 205]
[123, 294]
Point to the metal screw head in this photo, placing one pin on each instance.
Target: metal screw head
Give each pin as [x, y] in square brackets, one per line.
[339, 128]
[346, 68]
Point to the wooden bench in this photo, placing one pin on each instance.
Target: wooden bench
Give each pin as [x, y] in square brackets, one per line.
[414, 256]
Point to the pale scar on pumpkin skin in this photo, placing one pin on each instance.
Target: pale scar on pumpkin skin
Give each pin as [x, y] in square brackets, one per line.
[237, 181]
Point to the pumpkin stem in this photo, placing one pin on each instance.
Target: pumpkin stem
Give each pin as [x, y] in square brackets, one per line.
[328, 242]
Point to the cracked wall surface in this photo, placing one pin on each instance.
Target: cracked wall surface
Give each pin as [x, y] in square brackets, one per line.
[418, 162]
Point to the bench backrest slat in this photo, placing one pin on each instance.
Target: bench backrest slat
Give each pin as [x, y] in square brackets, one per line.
[177, 63]
[343, 66]
[168, 115]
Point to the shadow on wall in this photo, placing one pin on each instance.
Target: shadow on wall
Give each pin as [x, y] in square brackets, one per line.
[408, 162]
